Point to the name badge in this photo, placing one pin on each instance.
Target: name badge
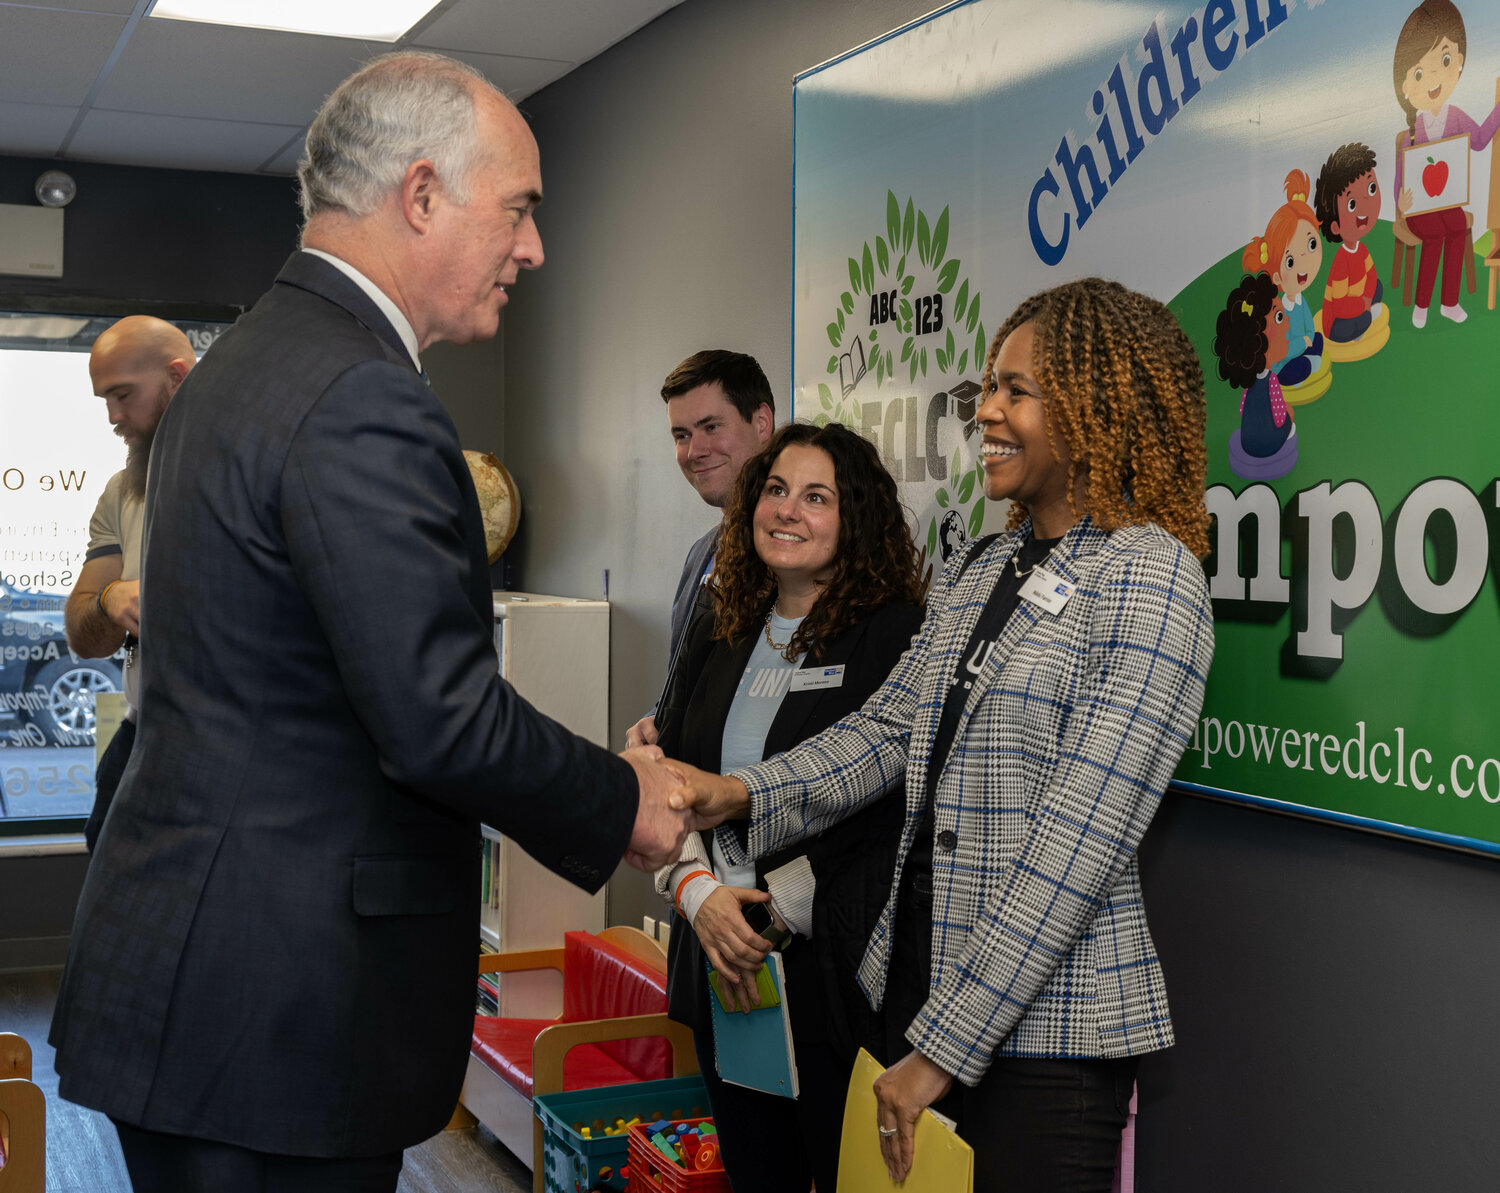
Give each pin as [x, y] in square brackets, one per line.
[806, 679]
[1047, 590]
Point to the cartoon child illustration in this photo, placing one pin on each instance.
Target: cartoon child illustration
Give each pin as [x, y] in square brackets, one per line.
[1347, 201]
[1291, 254]
[1250, 333]
[1429, 60]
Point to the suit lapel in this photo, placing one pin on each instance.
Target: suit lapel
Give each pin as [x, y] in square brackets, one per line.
[317, 276]
[797, 708]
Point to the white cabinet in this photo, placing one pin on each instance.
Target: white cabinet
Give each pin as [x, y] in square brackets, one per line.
[555, 652]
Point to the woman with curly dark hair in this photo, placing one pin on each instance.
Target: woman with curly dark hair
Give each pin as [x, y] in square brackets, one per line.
[815, 595]
[1034, 724]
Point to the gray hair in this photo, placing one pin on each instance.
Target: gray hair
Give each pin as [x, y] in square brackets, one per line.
[391, 112]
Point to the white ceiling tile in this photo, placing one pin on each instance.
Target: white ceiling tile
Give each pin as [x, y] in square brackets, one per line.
[122, 7]
[33, 130]
[163, 99]
[286, 161]
[178, 142]
[573, 30]
[190, 69]
[516, 77]
[53, 57]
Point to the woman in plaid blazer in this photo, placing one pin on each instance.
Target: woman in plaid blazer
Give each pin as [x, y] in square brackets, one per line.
[1035, 723]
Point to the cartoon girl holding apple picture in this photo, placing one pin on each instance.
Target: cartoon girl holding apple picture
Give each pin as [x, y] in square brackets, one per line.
[1429, 60]
[1291, 254]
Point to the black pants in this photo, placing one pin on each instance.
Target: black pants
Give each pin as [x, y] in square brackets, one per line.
[178, 1164]
[771, 1144]
[1043, 1125]
[107, 779]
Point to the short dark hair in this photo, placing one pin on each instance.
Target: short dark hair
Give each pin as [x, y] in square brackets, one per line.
[1345, 165]
[740, 376]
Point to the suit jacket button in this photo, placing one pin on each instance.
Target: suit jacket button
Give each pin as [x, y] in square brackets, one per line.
[947, 839]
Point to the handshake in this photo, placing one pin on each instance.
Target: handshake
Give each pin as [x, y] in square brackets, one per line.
[676, 799]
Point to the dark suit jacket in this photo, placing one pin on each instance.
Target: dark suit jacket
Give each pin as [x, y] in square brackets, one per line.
[688, 601]
[275, 943]
[858, 855]
[689, 583]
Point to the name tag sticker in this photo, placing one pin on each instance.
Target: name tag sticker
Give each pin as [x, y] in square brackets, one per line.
[1047, 590]
[806, 679]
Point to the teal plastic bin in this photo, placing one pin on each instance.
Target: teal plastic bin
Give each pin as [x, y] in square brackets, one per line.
[573, 1164]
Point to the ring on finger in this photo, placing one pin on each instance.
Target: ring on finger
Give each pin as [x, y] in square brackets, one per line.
[886, 1132]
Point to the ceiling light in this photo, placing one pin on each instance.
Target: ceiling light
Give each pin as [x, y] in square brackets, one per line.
[368, 20]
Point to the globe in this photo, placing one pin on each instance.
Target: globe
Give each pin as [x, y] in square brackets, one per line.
[499, 500]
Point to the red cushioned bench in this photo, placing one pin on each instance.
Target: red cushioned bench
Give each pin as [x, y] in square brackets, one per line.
[613, 1029]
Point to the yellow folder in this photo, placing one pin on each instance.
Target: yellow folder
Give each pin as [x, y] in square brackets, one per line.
[943, 1163]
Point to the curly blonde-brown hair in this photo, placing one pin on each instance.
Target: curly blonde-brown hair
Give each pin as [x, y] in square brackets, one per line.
[875, 564]
[1124, 389]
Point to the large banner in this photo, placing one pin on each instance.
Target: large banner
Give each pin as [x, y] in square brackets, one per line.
[1308, 186]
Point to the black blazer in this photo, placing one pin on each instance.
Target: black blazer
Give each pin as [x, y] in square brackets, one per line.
[275, 943]
[852, 862]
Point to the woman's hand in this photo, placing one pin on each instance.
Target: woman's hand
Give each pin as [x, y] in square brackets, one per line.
[733, 946]
[902, 1092]
[1403, 201]
[642, 733]
[711, 799]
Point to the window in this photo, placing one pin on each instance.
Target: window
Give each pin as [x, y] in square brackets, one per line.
[57, 451]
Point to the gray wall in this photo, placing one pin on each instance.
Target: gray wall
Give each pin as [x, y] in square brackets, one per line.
[667, 166]
[1333, 994]
[1331, 988]
[146, 237]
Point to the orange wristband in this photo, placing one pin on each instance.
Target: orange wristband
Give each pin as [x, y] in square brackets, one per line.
[687, 878]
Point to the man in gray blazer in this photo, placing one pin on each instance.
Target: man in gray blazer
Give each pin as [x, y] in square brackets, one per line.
[721, 411]
[271, 977]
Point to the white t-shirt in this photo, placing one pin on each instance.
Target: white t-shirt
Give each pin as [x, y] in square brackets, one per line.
[115, 529]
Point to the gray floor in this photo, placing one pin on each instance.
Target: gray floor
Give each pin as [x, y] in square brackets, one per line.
[83, 1155]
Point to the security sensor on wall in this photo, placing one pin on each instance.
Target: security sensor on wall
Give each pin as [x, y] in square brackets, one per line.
[56, 188]
[31, 238]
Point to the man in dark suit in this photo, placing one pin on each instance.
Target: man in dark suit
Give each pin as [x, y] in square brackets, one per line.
[271, 977]
[721, 411]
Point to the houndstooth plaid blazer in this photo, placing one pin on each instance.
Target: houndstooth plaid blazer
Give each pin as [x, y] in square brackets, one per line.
[1066, 743]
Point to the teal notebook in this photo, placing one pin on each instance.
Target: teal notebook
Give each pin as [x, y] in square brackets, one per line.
[754, 1049]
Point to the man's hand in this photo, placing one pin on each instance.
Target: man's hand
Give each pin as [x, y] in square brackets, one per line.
[902, 1092]
[734, 947]
[659, 830]
[642, 733]
[122, 604]
[712, 799]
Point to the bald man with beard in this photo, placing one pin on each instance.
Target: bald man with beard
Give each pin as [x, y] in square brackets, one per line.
[136, 366]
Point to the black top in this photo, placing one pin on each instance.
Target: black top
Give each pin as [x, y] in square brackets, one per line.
[853, 862]
[1002, 603]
